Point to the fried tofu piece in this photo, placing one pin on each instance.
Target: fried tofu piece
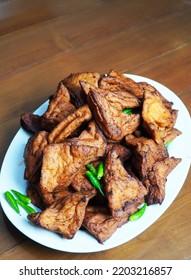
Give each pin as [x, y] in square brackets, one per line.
[149, 88]
[72, 82]
[33, 191]
[123, 152]
[69, 124]
[145, 152]
[123, 190]
[152, 163]
[157, 177]
[116, 81]
[33, 156]
[118, 98]
[114, 123]
[60, 164]
[171, 135]
[91, 136]
[59, 107]
[64, 216]
[81, 182]
[99, 222]
[157, 118]
[31, 122]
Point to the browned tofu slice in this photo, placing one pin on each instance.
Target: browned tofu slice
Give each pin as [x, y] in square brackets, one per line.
[152, 163]
[33, 156]
[114, 123]
[99, 222]
[81, 182]
[31, 122]
[72, 82]
[157, 118]
[64, 216]
[91, 136]
[123, 190]
[59, 107]
[116, 81]
[118, 98]
[69, 124]
[61, 163]
[157, 177]
[145, 153]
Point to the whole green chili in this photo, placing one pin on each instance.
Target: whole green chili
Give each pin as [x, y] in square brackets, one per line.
[137, 215]
[100, 170]
[21, 197]
[26, 207]
[91, 168]
[12, 201]
[94, 181]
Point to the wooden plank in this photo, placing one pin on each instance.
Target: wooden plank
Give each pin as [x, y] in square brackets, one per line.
[10, 236]
[20, 50]
[19, 14]
[172, 69]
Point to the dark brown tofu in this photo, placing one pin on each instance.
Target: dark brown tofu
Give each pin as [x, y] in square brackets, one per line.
[152, 163]
[123, 190]
[64, 216]
[99, 222]
[33, 154]
[91, 136]
[116, 81]
[118, 98]
[69, 124]
[81, 182]
[59, 107]
[61, 163]
[145, 152]
[157, 177]
[72, 82]
[114, 123]
[31, 122]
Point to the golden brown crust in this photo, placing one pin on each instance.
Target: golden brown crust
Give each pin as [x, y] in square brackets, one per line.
[65, 215]
[69, 124]
[59, 107]
[118, 98]
[122, 189]
[33, 156]
[157, 118]
[116, 81]
[156, 179]
[72, 82]
[114, 123]
[99, 222]
[61, 162]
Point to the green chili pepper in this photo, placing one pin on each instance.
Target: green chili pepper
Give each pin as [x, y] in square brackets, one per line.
[26, 207]
[100, 170]
[12, 201]
[21, 197]
[137, 215]
[168, 143]
[93, 180]
[91, 168]
[128, 111]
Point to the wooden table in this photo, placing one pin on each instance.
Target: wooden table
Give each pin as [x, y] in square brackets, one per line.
[43, 41]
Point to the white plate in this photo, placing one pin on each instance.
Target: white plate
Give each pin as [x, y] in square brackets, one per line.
[12, 177]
